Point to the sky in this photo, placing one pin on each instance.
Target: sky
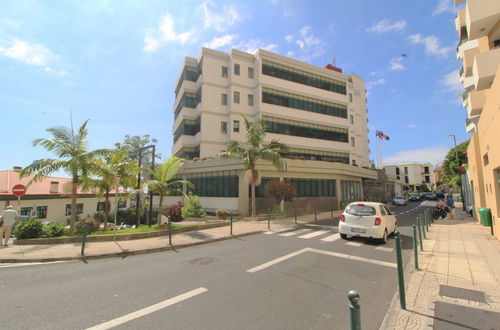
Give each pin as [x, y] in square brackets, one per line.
[116, 62]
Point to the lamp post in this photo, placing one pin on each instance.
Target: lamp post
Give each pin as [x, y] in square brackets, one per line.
[138, 204]
[117, 182]
[458, 172]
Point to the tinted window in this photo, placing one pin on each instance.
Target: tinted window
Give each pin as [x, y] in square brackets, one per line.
[356, 209]
[382, 210]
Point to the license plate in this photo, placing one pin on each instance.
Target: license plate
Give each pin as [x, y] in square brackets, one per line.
[358, 230]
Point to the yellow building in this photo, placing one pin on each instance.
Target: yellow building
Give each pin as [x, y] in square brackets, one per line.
[478, 27]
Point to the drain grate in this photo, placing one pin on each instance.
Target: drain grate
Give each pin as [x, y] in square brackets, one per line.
[202, 261]
[452, 316]
[454, 292]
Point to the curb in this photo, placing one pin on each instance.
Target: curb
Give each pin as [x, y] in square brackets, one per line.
[124, 254]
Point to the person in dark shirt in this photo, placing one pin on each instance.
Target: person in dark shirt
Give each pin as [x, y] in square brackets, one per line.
[451, 206]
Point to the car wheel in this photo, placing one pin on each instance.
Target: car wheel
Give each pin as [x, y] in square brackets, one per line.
[343, 236]
[383, 240]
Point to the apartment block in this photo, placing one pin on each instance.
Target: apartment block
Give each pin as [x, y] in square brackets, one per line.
[412, 175]
[319, 112]
[478, 28]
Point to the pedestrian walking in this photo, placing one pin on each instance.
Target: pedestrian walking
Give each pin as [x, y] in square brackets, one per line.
[7, 219]
[451, 206]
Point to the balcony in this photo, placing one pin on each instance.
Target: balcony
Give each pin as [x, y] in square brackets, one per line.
[468, 59]
[475, 102]
[471, 124]
[186, 141]
[186, 113]
[460, 21]
[465, 45]
[481, 17]
[485, 67]
[465, 99]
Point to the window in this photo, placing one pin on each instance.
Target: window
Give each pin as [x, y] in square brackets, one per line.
[350, 97]
[353, 142]
[486, 159]
[397, 170]
[360, 210]
[214, 184]
[311, 187]
[382, 210]
[351, 190]
[26, 211]
[100, 206]
[250, 73]
[54, 186]
[236, 96]
[223, 99]
[426, 169]
[187, 127]
[407, 180]
[237, 69]
[41, 212]
[351, 119]
[223, 127]
[354, 162]
[224, 72]
[406, 170]
[236, 126]
[427, 179]
[250, 99]
[79, 209]
[328, 156]
[122, 204]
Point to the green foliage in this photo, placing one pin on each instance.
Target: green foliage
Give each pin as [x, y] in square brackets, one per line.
[280, 190]
[222, 214]
[450, 168]
[174, 212]
[53, 230]
[31, 228]
[86, 226]
[424, 188]
[192, 208]
[132, 145]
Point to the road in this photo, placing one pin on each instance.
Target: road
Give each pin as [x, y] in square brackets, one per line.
[290, 280]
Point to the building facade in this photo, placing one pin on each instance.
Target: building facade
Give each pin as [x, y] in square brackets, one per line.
[320, 113]
[412, 175]
[478, 27]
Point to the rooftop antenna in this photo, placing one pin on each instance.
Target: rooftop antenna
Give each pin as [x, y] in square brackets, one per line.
[71, 119]
[334, 58]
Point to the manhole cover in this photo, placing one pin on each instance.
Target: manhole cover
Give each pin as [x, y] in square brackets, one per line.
[454, 292]
[202, 261]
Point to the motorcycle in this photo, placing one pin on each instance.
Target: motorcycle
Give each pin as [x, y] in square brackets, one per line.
[440, 210]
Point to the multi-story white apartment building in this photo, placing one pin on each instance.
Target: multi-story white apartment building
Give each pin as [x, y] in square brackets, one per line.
[320, 113]
[478, 27]
[412, 175]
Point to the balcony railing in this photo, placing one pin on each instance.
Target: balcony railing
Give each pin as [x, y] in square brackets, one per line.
[465, 95]
[461, 71]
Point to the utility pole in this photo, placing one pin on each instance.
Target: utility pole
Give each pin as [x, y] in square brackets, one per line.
[458, 172]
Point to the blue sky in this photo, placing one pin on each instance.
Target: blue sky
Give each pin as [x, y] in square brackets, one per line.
[116, 63]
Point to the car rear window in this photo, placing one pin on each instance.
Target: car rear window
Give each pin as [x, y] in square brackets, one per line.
[399, 197]
[360, 210]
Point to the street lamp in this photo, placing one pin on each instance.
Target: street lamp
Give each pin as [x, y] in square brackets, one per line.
[458, 172]
[138, 204]
[117, 182]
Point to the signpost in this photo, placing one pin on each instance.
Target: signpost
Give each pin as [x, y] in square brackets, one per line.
[19, 190]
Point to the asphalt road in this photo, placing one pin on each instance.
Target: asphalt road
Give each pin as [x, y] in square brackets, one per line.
[211, 285]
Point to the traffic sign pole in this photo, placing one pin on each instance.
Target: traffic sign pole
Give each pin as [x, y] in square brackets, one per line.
[19, 190]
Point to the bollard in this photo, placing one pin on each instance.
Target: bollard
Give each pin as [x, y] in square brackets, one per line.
[169, 231]
[84, 238]
[429, 218]
[426, 223]
[231, 221]
[268, 220]
[420, 235]
[315, 218]
[423, 228]
[295, 212]
[402, 298]
[415, 248]
[332, 212]
[354, 310]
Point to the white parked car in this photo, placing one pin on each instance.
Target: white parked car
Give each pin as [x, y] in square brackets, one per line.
[399, 200]
[367, 219]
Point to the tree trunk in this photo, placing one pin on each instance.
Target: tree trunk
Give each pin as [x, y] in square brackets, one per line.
[159, 210]
[107, 206]
[253, 200]
[72, 220]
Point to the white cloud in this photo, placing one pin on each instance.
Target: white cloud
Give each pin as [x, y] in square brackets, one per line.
[431, 155]
[287, 12]
[396, 64]
[151, 44]
[385, 25]
[370, 84]
[412, 126]
[309, 45]
[451, 82]
[228, 17]
[431, 44]
[289, 38]
[444, 6]
[164, 33]
[251, 46]
[220, 41]
[28, 53]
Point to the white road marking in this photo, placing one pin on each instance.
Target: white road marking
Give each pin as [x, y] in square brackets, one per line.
[330, 253]
[268, 233]
[275, 261]
[23, 264]
[314, 234]
[381, 248]
[296, 232]
[331, 238]
[148, 310]
[354, 243]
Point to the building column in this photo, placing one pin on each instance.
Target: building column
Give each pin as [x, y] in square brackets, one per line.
[243, 193]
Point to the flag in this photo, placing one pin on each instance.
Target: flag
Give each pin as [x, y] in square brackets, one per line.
[381, 135]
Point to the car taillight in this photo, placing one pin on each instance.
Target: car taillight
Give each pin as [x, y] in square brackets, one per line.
[377, 221]
[342, 218]
[360, 204]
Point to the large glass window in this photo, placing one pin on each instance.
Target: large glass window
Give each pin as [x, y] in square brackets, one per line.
[188, 100]
[302, 77]
[351, 190]
[224, 72]
[189, 152]
[289, 100]
[187, 127]
[41, 212]
[296, 153]
[79, 209]
[237, 69]
[296, 128]
[214, 184]
[314, 187]
[188, 73]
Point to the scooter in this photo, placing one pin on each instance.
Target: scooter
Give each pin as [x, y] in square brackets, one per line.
[441, 210]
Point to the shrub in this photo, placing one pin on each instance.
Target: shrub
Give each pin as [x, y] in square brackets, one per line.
[31, 228]
[86, 226]
[53, 230]
[280, 190]
[192, 208]
[222, 214]
[174, 212]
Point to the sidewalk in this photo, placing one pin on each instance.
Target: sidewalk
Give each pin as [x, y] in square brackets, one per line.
[93, 250]
[458, 283]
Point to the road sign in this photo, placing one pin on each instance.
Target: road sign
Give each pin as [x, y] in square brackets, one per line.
[19, 190]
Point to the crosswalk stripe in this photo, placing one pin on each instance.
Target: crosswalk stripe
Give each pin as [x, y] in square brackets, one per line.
[354, 243]
[314, 234]
[331, 238]
[268, 232]
[296, 232]
[381, 248]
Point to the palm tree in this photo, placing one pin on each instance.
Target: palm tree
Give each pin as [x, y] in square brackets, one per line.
[163, 182]
[73, 157]
[254, 148]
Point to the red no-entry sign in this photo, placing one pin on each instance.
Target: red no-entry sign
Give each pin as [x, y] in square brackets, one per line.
[19, 190]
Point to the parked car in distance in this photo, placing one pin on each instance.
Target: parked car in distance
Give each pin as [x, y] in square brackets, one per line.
[415, 197]
[399, 200]
[439, 194]
[367, 219]
[430, 195]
